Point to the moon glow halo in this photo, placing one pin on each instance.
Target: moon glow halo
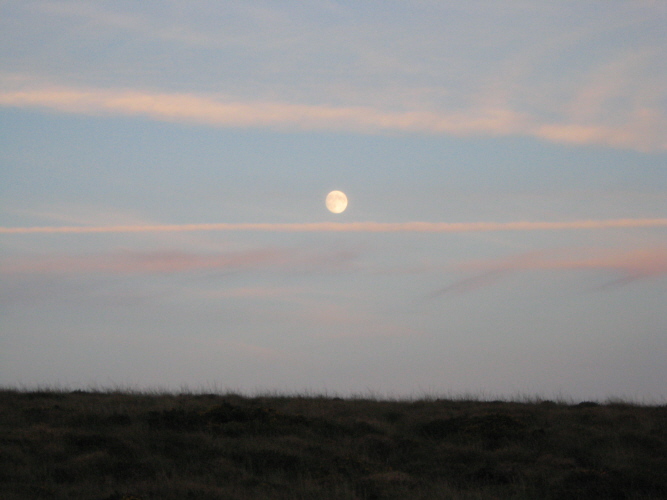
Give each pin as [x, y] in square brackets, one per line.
[336, 202]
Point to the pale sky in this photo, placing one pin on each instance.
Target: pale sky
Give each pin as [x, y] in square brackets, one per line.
[164, 167]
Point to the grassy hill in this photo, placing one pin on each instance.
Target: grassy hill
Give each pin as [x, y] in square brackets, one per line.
[145, 446]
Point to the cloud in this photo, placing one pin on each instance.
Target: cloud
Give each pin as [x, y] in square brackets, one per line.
[126, 22]
[631, 265]
[489, 119]
[596, 134]
[212, 110]
[576, 75]
[171, 262]
[371, 227]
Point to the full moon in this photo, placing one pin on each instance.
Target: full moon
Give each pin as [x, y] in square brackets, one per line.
[336, 202]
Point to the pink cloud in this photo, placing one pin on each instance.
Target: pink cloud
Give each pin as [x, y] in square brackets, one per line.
[373, 227]
[212, 110]
[644, 132]
[169, 262]
[641, 137]
[630, 265]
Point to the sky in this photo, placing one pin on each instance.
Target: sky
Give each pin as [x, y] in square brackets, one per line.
[164, 166]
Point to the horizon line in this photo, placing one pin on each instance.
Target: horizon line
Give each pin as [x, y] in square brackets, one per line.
[373, 227]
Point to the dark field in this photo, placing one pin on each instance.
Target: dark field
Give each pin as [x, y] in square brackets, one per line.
[136, 446]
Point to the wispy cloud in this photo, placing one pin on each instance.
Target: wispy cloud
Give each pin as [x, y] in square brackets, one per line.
[126, 262]
[370, 227]
[581, 75]
[226, 112]
[126, 22]
[630, 265]
[139, 262]
[491, 119]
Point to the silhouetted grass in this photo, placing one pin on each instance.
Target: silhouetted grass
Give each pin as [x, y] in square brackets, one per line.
[139, 446]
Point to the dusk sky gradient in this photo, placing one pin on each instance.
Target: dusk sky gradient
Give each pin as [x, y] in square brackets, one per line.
[164, 166]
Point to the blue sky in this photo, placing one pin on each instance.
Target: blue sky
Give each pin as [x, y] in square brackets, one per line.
[123, 124]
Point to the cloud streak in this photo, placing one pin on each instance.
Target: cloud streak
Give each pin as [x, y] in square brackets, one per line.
[356, 227]
[225, 112]
[631, 265]
[137, 262]
[211, 110]
[127, 262]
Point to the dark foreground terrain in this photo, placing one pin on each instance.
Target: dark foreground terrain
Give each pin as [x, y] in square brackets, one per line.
[135, 446]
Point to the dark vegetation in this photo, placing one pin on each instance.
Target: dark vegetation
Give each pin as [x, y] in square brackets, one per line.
[138, 446]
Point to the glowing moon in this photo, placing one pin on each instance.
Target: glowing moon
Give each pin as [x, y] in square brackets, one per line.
[336, 202]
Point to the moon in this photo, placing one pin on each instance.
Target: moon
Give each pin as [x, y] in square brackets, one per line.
[336, 202]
